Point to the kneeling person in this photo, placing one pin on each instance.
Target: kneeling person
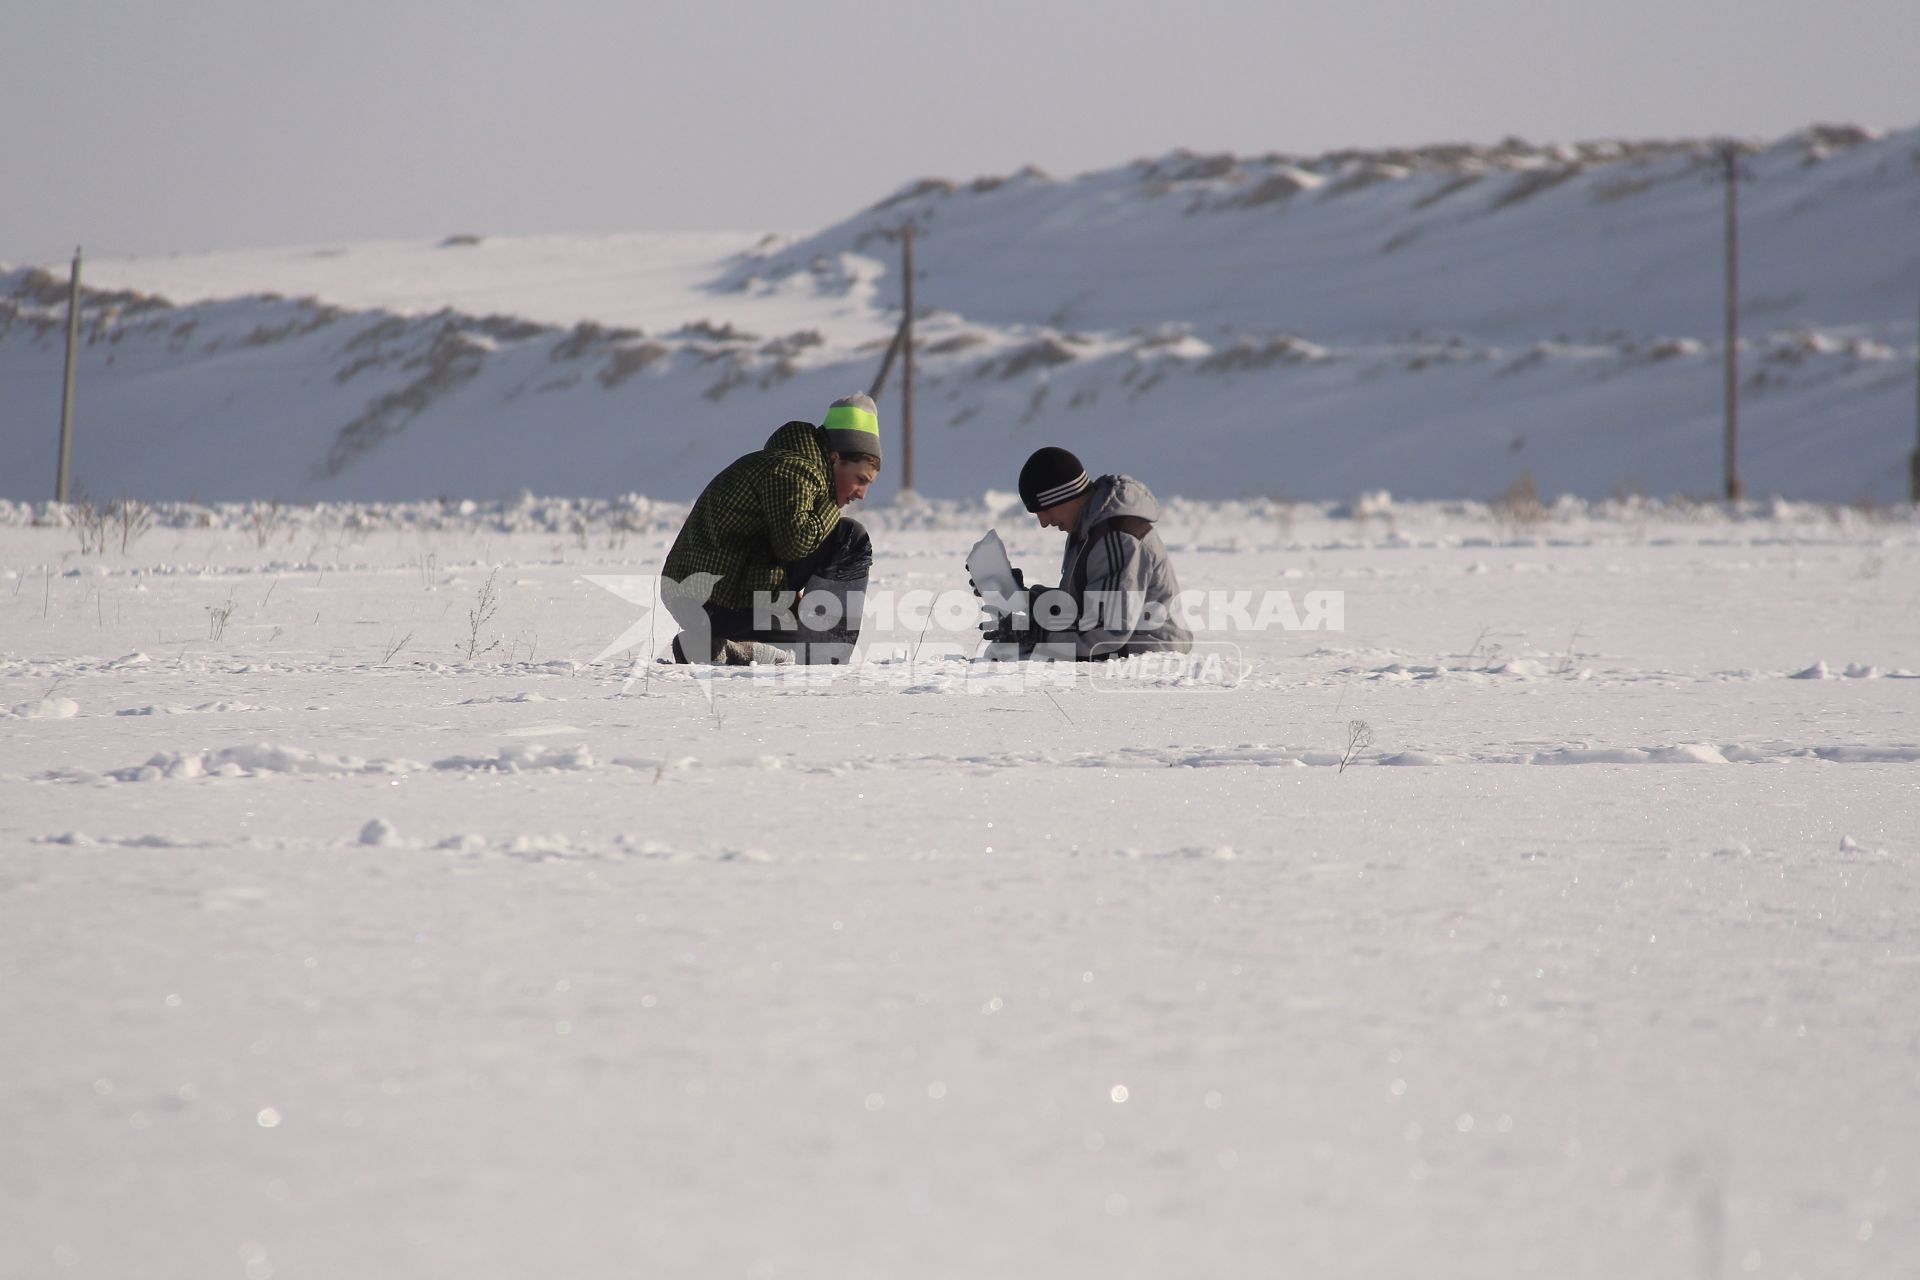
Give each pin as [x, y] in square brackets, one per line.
[766, 532]
[1117, 587]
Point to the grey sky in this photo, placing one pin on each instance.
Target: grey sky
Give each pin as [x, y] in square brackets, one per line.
[145, 127]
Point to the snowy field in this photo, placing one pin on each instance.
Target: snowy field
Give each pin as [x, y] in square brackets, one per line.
[330, 950]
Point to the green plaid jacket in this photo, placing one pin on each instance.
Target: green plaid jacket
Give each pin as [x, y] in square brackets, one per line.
[763, 511]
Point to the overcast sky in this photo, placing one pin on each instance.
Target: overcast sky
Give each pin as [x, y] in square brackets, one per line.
[148, 127]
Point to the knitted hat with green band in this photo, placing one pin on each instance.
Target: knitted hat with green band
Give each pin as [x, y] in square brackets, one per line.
[853, 425]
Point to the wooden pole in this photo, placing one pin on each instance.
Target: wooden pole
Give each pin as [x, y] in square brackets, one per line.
[906, 370]
[1730, 156]
[60, 488]
[886, 362]
[1913, 463]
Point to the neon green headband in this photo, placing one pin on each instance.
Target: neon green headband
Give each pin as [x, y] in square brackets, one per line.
[846, 417]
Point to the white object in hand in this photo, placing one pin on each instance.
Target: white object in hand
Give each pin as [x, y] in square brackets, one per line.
[992, 574]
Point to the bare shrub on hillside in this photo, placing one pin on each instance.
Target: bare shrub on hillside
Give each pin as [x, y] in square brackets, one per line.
[88, 522]
[1870, 509]
[736, 375]
[264, 520]
[1273, 189]
[962, 341]
[217, 616]
[1249, 354]
[723, 332]
[1042, 353]
[1518, 509]
[453, 360]
[627, 361]
[620, 526]
[131, 519]
[1359, 738]
[1446, 189]
[913, 191]
[1623, 188]
[484, 607]
[1530, 184]
[1362, 176]
[792, 344]
[1281, 509]
[584, 339]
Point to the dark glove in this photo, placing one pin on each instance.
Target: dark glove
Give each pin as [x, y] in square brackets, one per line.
[1019, 580]
[1011, 636]
[1002, 628]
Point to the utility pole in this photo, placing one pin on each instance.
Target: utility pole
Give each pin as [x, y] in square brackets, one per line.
[1913, 463]
[906, 370]
[886, 361]
[902, 344]
[1730, 161]
[66, 398]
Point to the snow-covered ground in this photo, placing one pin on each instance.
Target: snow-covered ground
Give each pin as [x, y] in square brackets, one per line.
[1437, 322]
[328, 948]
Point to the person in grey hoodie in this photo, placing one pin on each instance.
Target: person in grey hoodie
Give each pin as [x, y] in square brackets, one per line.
[1117, 587]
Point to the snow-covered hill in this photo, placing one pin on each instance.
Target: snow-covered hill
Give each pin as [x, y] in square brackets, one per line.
[1434, 322]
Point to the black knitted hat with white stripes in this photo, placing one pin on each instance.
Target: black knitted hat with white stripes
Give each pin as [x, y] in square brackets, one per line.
[1052, 476]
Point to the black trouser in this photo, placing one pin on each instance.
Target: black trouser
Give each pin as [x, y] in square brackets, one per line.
[833, 580]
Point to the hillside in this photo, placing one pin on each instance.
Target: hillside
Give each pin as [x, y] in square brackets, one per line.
[1433, 322]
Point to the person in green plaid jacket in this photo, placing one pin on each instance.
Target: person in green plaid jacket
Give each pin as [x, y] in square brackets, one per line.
[768, 529]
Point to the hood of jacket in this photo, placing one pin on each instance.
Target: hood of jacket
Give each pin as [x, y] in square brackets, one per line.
[801, 439]
[1117, 496]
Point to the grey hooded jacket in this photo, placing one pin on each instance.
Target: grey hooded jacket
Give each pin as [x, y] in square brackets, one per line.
[1120, 577]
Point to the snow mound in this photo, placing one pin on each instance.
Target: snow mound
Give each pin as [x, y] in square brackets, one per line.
[519, 758]
[46, 709]
[80, 839]
[1187, 853]
[660, 767]
[1869, 755]
[380, 832]
[1415, 759]
[1687, 753]
[253, 759]
[205, 708]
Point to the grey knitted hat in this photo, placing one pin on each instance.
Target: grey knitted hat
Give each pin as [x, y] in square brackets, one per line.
[853, 425]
